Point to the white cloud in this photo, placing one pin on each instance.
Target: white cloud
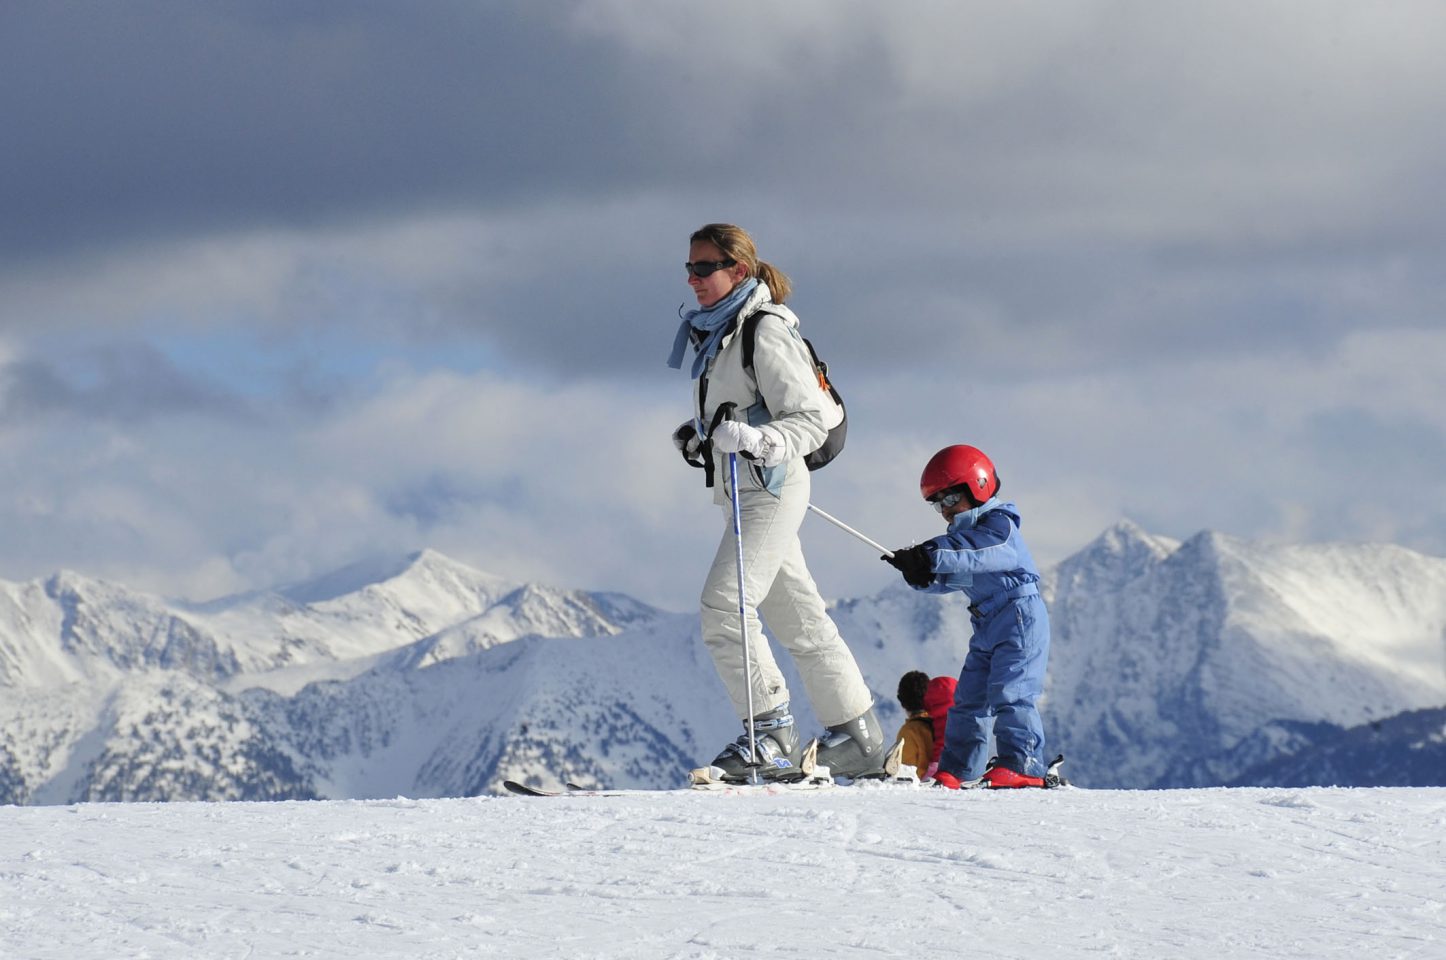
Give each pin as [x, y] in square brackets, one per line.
[577, 483]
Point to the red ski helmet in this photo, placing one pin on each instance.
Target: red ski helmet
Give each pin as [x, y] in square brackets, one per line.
[960, 466]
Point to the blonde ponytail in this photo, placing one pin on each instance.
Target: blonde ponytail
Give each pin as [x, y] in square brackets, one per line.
[778, 282]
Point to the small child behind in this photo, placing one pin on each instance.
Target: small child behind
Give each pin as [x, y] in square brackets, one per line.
[927, 703]
[918, 729]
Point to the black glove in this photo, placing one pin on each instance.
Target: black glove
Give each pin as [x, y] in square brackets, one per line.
[914, 563]
[685, 438]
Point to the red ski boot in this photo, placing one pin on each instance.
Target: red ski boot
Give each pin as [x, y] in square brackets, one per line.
[1003, 778]
[946, 780]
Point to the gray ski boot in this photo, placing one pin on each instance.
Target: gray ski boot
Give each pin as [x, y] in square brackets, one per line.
[779, 749]
[854, 749]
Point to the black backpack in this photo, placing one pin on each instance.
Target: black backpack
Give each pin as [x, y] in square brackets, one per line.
[832, 444]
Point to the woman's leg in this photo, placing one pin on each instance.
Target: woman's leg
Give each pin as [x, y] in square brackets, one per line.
[795, 612]
[765, 522]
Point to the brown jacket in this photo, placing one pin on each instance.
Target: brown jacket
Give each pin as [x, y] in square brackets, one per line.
[918, 736]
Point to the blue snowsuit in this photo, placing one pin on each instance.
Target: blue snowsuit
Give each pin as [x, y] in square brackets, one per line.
[984, 557]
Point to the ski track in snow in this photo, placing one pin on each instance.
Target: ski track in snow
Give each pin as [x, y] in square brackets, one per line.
[852, 872]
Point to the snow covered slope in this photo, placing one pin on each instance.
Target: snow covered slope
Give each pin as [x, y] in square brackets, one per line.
[1313, 874]
[377, 608]
[1187, 665]
[1173, 665]
[626, 709]
[108, 694]
[71, 629]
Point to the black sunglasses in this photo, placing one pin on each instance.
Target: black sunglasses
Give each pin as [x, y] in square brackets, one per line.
[706, 268]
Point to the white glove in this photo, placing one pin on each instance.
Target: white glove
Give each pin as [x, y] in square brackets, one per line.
[735, 436]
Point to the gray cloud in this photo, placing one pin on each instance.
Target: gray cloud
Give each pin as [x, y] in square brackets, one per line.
[116, 381]
[416, 257]
[1115, 118]
[165, 118]
[1119, 175]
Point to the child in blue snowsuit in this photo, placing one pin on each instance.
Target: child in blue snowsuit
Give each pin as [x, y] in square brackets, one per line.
[983, 556]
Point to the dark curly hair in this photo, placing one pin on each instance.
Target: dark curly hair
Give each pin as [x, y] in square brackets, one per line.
[911, 690]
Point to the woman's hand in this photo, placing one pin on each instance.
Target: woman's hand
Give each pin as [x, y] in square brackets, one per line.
[735, 436]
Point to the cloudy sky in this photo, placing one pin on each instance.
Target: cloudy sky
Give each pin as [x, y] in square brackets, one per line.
[288, 284]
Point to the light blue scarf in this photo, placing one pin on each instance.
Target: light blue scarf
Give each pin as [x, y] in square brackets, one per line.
[714, 321]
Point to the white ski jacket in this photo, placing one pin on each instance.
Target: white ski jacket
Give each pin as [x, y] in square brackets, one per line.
[781, 395]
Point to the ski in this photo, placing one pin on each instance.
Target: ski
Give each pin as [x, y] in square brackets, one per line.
[808, 776]
[523, 790]
[809, 771]
[764, 787]
[572, 790]
[576, 791]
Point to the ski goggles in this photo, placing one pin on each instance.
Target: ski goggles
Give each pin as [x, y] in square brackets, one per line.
[948, 498]
[706, 268]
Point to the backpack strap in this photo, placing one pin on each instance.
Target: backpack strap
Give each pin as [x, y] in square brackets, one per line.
[820, 368]
[750, 333]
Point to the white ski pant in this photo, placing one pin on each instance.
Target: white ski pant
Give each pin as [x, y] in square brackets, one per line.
[778, 586]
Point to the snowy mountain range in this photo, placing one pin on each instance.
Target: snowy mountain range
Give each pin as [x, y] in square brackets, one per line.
[1174, 664]
[1189, 664]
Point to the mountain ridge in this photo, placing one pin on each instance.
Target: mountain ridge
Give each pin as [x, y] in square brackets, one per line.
[1174, 663]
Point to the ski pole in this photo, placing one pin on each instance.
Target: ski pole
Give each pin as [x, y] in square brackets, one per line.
[743, 620]
[848, 529]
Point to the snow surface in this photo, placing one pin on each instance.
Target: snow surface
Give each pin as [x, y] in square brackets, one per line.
[1200, 874]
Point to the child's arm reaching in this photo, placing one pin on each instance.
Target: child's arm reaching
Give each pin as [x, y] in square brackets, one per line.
[943, 564]
[982, 548]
